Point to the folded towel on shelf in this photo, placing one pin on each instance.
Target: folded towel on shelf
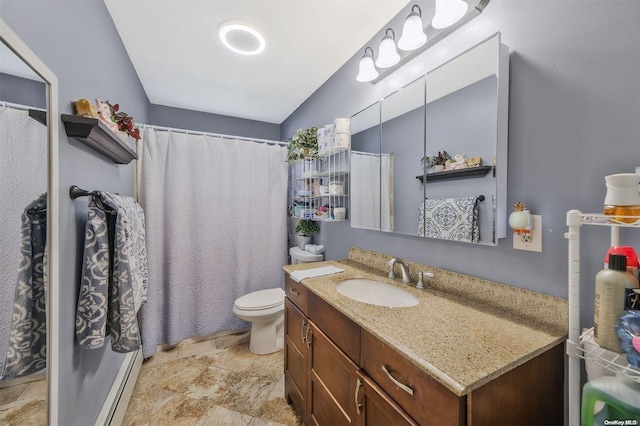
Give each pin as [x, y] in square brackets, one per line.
[314, 248]
[315, 272]
[450, 219]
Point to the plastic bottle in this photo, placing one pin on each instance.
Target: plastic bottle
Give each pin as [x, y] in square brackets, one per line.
[632, 258]
[613, 287]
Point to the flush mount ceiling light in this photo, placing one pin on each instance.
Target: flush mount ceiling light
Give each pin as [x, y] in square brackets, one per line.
[367, 70]
[448, 12]
[413, 35]
[387, 53]
[241, 38]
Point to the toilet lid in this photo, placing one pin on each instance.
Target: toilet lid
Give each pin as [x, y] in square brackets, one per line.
[261, 299]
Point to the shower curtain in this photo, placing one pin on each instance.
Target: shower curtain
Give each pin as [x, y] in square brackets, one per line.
[372, 191]
[23, 177]
[216, 229]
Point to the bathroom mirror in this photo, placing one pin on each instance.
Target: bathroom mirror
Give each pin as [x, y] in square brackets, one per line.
[402, 128]
[459, 107]
[366, 179]
[28, 174]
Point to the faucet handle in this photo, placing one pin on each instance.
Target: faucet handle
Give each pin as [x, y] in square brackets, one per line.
[420, 283]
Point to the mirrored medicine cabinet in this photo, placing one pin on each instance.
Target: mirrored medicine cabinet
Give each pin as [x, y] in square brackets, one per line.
[459, 107]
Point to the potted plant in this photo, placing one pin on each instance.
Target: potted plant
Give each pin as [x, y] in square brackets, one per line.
[305, 229]
[304, 144]
[437, 162]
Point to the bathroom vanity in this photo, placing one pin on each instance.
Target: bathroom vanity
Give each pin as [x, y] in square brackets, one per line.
[494, 359]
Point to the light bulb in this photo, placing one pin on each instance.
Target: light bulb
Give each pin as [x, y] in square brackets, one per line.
[413, 35]
[367, 71]
[387, 53]
[448, 12]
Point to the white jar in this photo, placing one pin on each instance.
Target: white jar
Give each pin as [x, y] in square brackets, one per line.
[336, 187]
[340, 213]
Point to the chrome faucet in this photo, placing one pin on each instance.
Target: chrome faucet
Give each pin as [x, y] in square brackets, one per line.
[403, 268]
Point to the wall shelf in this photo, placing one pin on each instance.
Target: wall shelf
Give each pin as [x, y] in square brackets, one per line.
[93, 133]
[456, 174]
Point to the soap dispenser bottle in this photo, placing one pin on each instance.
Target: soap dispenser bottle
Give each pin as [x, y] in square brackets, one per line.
[614, 287]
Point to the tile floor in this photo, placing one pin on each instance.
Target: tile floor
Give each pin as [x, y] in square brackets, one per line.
[211, 383]
[24, 405]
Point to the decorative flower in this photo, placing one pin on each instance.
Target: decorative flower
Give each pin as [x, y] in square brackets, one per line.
[124, 121]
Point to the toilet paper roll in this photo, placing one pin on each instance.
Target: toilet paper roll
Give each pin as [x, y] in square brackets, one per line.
[342, 125]
[329, 130]
[342, 140]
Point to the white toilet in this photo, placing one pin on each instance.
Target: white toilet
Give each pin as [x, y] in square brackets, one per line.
[264, 309]
[302, 256]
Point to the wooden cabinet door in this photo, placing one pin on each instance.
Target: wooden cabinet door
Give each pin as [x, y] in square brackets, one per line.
[375, 407]
[296, 361]
[425, 399]
[333, 381]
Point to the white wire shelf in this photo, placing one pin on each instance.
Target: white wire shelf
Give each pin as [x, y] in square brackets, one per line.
[332, 151]
[315, 175]
[605, 220]
[611, 361]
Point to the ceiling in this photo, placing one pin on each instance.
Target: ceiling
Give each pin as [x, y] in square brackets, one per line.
[181, 62]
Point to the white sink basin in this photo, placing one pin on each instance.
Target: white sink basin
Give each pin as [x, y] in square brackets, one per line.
[376, 293]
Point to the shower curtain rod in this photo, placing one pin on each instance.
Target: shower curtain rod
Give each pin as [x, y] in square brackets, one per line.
[219, 135]
[370, 154]
[6, 104]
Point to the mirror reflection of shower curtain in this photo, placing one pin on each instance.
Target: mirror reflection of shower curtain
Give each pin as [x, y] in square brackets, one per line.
[372, 191]
[23, 177]
[216, 225]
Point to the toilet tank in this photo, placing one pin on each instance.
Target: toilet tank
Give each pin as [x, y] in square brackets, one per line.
[302, 256]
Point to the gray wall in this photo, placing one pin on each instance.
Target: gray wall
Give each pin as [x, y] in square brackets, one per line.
[79, 43]
[194, 120]
[573, 119]
[22, 91]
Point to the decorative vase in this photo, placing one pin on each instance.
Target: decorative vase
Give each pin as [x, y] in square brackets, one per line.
[438, 168]
[303, 240]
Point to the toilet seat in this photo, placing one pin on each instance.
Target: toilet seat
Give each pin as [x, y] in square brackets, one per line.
[261, 299]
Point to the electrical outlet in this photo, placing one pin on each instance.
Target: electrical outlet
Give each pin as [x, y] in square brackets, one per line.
[534, 242]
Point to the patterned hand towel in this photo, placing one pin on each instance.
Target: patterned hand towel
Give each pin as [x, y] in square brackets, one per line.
[450, 219]
[27, 350]
[115, 274]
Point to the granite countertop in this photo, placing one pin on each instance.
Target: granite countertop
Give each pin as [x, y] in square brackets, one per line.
[461, 341]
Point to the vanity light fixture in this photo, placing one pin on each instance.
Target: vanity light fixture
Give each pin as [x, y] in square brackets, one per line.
[450, 15]
[387, 53]
[413, 35]
[367, 70]
[448, 12]
[241, 38]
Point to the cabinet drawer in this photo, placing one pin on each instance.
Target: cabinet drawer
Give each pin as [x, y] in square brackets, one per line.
[340, 329]
[420, 395]
[297, 293]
